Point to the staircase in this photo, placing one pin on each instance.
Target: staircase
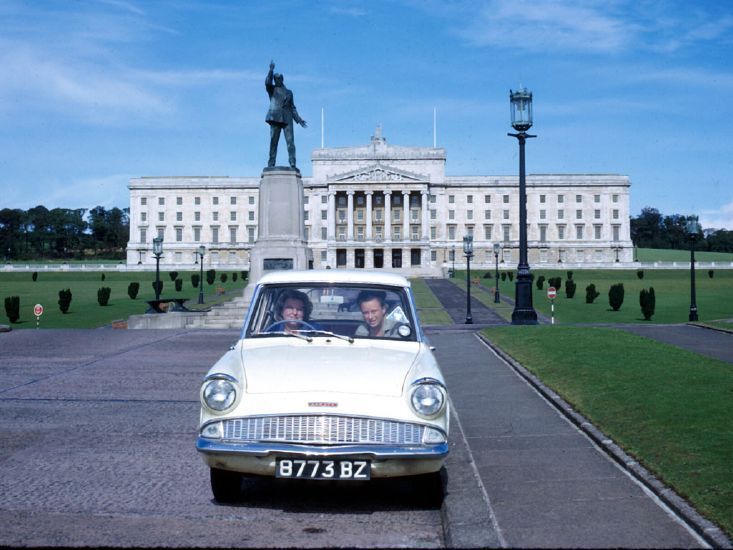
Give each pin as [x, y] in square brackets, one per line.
[228, 315]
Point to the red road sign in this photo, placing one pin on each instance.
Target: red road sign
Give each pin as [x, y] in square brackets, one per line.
[38, 310]
[551, 292]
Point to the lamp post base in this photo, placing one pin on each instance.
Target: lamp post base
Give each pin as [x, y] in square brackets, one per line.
[524, 313]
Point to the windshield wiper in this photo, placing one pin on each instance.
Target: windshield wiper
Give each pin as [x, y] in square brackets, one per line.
[285, 333]
[320, 332]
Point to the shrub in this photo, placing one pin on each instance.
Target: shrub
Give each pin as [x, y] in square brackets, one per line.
[210, 276]
[616, 296]
[244, 275]
[503, 275]
[12, 308]
[157, 287]
[711, 272]
[103, 276]
[570, 274]
[34, 276]
[570, 287]
[540, 281]
[133, 289]
[103, 295]
[591, 293]
[487, 275]
[640, 273]
[64, 300]
[555, 282]
[223, 277]
[173, 275]
[647, 301]
[234, 277]
[195, 279]
[179, 284]
[510, 275]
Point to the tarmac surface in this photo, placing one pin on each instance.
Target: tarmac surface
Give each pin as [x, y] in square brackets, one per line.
[94, 418]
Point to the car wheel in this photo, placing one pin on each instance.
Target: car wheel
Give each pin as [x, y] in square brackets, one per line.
[226, 485]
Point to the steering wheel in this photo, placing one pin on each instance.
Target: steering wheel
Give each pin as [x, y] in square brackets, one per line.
[302, 325]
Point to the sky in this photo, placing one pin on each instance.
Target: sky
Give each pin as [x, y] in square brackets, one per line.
[95, 92]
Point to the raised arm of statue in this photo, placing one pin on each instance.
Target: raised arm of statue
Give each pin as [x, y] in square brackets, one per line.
[269, 84]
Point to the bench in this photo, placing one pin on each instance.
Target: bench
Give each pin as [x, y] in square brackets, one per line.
[164, 305]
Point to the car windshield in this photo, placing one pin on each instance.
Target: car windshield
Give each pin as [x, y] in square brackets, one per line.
[346, 311]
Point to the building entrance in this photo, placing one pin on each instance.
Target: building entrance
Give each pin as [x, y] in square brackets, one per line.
[378, 258]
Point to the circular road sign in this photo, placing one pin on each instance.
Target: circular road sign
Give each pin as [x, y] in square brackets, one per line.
[38, 310]
[551, 292]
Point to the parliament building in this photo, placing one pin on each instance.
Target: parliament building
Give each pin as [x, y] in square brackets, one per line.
[382, 206]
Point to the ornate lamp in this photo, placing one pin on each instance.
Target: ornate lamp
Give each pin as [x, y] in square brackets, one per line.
[201, 251]
[693, 232]
[468, 251]
[157, 251]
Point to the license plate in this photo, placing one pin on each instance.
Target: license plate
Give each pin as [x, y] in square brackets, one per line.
[349, 470]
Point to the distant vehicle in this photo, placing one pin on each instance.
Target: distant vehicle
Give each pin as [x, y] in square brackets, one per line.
[332, 379]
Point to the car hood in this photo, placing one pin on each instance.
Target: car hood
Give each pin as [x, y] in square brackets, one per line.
[363, 367]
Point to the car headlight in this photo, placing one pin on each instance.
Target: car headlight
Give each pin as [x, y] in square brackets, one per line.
[427, 398]
[219, 394]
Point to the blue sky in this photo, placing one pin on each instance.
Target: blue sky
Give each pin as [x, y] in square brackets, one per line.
[95, 92]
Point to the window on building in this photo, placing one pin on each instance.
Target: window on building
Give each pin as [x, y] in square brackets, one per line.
[143, 235]
[307, 233]
[179, 234]
[324, 256]
[215, 201]
[197, 200]
[433, 256]
[487, 214]
[431, 199]
[215, 216]
[469, 214]
[415, 214]
[215, 235]
[543, 214]
[506, 214]
[161, 232]
[578, 214]
[305, 215]
[560, 199]
[561, 232]
[452, 232]
[597, 214]
[415, 232]
[487, 199]
[433, 233]
[397, 232]
[232, 235]
[616, 230]
[469, 199]
[578, 198]
[505, 198]
[614, 198]
[596, 198]
[542, 199]
[143, 201]
[597, 231]
[378, 214]
[324, 214]
[451, 199]
[161, 201]
[579, 232]
[360, 200]
[561, 214]
[233, 200]
[615, 214]
[324, 199]
[433, 214]
[197, 216]
[324, 233]
[543, 233]
[250, 235]
[179, 201]
[179, 216]
[487, 232]
[251, 199]
[197, 234]
[251, 215]
[396, 215]
[451, 214]
[143, 216]
[161, 216]
[378, 200]
[507, 233]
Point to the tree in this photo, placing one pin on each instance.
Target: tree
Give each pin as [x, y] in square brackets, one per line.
[646, 229]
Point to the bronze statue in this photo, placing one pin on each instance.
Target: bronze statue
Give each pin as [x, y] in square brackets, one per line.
[281, 115]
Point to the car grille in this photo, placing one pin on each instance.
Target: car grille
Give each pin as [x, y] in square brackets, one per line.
[323, 429]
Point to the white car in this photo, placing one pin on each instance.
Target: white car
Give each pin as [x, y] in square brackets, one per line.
[332, 379]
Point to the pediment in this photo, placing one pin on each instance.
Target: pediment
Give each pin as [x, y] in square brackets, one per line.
[377, 173]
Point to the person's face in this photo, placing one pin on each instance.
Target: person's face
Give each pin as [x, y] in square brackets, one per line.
[293, 310]
[373, 313]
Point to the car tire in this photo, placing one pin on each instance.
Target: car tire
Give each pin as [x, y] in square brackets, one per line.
[226, 485]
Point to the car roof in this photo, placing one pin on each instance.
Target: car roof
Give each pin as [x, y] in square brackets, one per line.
[334, 276]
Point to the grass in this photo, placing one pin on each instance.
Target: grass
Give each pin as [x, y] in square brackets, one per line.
[665, 255]
[429, 309]
[85, 312]
[668, 407]
[714, 296]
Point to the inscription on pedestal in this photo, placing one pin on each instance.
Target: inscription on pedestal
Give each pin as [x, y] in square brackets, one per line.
[277, 263]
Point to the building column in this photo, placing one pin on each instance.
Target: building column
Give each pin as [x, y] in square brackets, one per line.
[331, 217]
[425, 217]
[388, 217]
[369, 215]
[406, 218]
[349, 216]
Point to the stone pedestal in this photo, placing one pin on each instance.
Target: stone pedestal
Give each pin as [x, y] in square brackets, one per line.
[281, 240]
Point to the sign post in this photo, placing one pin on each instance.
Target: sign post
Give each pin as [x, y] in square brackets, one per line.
[38, 311]
[551, 294]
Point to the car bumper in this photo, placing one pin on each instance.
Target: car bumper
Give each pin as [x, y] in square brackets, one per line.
[259, 458]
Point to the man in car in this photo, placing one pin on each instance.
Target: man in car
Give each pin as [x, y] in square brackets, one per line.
[374, 310]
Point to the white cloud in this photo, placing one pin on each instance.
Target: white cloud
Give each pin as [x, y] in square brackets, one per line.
[719, 218]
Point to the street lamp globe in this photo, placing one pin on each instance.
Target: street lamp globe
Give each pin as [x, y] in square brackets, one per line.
[521, 108]
[693, 228]
[468, 245]
[158, 246]
[497, 249]
[202, 250]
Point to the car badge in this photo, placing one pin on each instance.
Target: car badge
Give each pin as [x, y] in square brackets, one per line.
[322, 404]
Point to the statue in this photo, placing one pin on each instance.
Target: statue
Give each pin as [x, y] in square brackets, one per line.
[281, 115]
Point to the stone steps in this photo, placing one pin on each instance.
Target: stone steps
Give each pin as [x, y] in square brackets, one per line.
[228, 315]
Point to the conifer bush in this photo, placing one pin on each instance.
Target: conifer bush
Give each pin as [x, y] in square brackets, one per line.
[540, 282]
[211, 276]
[173, 275]
[223, 277]
[103, 295]
[616, 296]
[234, 277]
[711, 273]
[510, 275]
[179, 284]
[64, 300]
[34, 276]
[640, 273]
[133, 289]
[503, 275]
[570, 274]
[195, 280]
[591, 293]
[555, 282]
[647, 301]
[157, 287]
[570, 287]
[12, 308]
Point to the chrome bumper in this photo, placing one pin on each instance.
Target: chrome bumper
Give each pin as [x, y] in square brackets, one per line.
[374, 452]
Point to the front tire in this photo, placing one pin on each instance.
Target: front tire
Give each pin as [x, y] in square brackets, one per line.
[226, 485]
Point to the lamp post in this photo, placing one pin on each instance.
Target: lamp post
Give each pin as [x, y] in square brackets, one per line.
[693, 231]
[521, 111]
[453, 272]
[158, 251]
[468, 251]
[200, 253]
[497, 249]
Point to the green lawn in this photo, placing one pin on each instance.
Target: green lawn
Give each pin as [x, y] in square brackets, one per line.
[85, 312]
[672, 289]
[664, 255]
[668, 407]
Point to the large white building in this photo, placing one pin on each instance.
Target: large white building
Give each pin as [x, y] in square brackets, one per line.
[381, 206]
